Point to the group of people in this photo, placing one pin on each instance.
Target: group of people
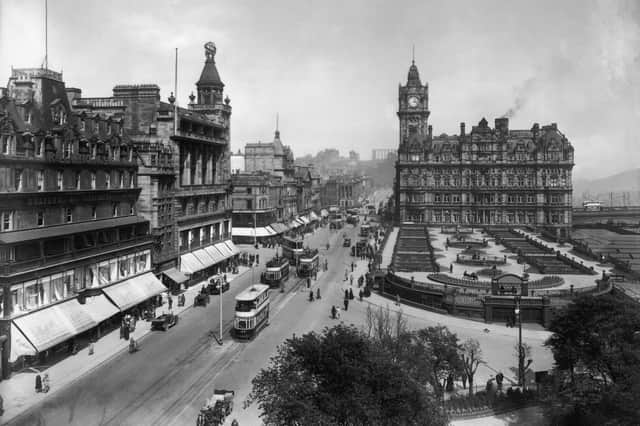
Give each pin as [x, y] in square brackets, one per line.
[42, 383]
[127, 326]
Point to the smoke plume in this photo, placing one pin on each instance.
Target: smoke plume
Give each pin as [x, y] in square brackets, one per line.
[522, 96]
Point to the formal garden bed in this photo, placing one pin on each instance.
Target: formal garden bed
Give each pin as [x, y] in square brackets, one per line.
[485, 403]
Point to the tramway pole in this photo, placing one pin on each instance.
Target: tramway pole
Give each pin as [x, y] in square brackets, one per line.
[220, 306]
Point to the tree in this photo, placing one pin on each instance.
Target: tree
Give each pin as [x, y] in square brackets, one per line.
[439, 348]
[339, 376]
[596, 347]
[471, 356]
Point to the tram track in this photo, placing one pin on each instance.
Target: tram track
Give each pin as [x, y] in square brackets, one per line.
[195, 386]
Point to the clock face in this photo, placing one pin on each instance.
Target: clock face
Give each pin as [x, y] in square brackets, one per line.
[413, 101]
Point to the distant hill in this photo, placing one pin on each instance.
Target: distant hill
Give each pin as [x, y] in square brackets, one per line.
[621, 189]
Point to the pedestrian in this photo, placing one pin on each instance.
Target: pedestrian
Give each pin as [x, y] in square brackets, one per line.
[346, 304]
[45, 383]
[38, 383]
[346, 274]
[360, 294]
[310, 295]
[318, 293]
[350, 294]
[308, 282]
[170, 302]
[333, 312]
[499, 378]
[91, 348]
[352, 266]
[351, 280]
[346, 294]
[464, 380]
[397, 300]
[451, 268]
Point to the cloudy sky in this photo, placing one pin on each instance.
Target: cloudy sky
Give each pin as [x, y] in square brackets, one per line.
[331, 68]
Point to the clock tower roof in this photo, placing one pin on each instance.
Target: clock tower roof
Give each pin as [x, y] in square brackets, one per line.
[209, 75]
[413, 78]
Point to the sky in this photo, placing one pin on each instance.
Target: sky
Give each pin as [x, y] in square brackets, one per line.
[331, 69]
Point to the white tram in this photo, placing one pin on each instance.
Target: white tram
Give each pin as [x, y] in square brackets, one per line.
[308, 263]
[252, 311]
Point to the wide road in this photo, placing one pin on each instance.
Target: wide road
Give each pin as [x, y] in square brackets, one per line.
[175, 371]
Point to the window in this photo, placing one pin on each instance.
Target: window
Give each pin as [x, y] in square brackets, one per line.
[109, 151]
[108, 128]
[77, 184]
[93, 180]
[18, 179]
[5, 144]
[68, 215]
[107, 180]
[67, 149]
[40, 180]
[7, 220]
[114, 209]
[60, 180]
[40, 218]
[132, 210]
[94, 213]
[38, 144]
[248, 190]
[82, 125]
[121, 183]
[94, 151]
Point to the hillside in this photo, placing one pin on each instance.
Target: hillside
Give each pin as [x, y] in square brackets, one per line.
[621, 189]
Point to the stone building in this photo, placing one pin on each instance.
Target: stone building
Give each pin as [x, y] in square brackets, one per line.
[344, 191]
[271, 157]
[485, 177]
[73, 250]
[184, 173]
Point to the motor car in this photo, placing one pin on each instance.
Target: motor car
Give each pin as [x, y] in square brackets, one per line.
[164, 321]
[346, 242]
[215, 284]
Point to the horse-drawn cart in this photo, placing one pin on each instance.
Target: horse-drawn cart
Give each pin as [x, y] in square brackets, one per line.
[216, 409]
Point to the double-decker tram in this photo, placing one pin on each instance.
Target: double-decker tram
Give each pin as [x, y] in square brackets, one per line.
[364, 230]
[252, 311]
[308, 263]
[292, 249]
[277, 272]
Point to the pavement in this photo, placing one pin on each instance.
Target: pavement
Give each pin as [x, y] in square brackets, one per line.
[19, 390]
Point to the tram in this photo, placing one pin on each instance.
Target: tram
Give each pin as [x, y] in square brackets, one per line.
[364, 230]
[593, 206]
[292, 249]
[277, 272]
[308, 264]
[252, 311]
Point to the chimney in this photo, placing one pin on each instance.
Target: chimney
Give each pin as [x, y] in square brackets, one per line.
[430, 129]
[462, 129]
[502, 124]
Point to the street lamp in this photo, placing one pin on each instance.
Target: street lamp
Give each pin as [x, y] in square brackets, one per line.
[521, 354]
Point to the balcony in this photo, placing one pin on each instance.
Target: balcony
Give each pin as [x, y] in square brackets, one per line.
[184, 135]
[203, 216]
[24, 266]
[198, 190]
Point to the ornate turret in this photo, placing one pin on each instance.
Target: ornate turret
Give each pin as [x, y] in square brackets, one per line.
[209, 85]
[413, 77]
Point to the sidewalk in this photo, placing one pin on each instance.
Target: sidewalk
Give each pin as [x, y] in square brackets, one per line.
[19, 390]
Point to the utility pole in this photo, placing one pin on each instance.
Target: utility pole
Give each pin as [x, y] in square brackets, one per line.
[518, 312]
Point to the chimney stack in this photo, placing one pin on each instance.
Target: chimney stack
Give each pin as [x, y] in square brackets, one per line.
[462, 129]
[430, 129]
[502, 124]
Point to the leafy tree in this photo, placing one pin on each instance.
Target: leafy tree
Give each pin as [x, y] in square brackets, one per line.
[471, 356]
[340, 377]
[596, 347]
[439, 347]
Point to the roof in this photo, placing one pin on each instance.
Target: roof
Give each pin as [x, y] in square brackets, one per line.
[209, 75]
[252, 292]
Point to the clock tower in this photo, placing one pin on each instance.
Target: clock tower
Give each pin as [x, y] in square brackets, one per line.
[413, 106]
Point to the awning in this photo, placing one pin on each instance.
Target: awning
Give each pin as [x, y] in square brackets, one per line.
[324, 213]
[19, 344]
[190, 264]
[224, 250]
[232, 247]
[242, 232]
[176, 276]
[271, 231]
[263, 232]
[204, 258]
[99, 308]
[48, 327]
[279, 227]
[294, 224]
[215, 253]
[313, 216]
[300, 221]
[134, 290]
[304, 220]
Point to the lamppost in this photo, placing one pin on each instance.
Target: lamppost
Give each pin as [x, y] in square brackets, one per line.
[517, 300]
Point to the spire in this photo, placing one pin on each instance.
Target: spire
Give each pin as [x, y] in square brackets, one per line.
[210, 76]
[277, 127]
[413, 55]
[413, 78]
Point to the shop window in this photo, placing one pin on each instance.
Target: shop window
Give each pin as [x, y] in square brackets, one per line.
[40, 218]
